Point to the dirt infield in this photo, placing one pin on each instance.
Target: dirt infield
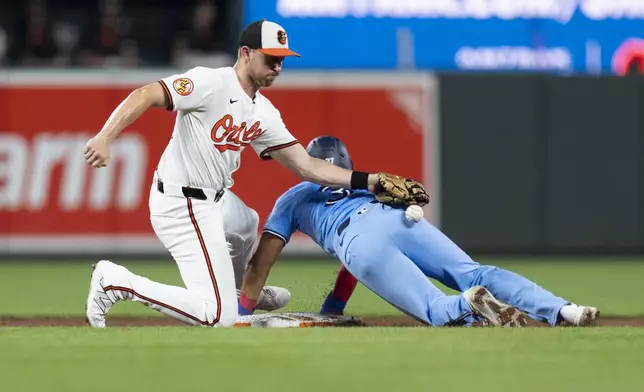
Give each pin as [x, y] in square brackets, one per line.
[371, 321]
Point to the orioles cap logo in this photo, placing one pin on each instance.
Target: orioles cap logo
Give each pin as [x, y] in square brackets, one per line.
[281, 37]
[183, 86]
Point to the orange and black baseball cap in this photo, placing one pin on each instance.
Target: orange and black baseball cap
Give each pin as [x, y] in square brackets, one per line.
[267, 37]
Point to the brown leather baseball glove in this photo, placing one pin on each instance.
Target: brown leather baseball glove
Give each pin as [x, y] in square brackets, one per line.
[397, 190]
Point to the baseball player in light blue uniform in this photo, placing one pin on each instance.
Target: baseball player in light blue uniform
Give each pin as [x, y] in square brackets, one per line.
[393, 258]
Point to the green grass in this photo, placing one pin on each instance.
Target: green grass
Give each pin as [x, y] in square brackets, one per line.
[182, 359]
[53, 288]
[321, 359]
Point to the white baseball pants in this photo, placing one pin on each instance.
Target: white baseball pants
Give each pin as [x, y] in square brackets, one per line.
[197, 233]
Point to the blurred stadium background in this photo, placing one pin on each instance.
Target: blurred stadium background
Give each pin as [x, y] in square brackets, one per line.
[524, 119]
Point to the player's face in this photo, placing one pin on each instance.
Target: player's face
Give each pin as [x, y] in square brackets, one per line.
[264, 69]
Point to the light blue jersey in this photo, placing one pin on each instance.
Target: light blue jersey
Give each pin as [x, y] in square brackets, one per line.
[393, 257]
[316, 211]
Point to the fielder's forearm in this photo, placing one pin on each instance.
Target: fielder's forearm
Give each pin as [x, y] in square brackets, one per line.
[131, 109]
[319, 171]
[325, 173]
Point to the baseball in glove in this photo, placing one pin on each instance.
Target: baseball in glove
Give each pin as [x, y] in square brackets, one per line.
[397, 190]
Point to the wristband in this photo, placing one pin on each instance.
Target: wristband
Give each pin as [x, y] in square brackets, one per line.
[246, 303]
[359, 180]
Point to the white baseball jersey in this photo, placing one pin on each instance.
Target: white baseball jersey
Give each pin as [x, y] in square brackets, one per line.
[210, 241]
[215, 121]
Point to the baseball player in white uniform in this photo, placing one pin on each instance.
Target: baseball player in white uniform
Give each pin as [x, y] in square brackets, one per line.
[208, 230]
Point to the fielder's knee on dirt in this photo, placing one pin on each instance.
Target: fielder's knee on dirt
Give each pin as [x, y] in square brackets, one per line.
[224, 317]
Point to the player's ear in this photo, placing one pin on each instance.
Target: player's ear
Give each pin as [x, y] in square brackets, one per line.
[244, 53]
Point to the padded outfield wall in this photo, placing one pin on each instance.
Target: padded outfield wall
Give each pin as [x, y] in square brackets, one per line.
[52, 203]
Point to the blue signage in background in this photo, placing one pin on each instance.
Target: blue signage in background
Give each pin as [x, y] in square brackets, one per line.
[568, 36]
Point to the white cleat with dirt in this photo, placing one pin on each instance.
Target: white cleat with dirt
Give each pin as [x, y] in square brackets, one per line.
[493, 311]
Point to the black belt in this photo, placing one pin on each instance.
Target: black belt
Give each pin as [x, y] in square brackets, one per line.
[193, 193]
